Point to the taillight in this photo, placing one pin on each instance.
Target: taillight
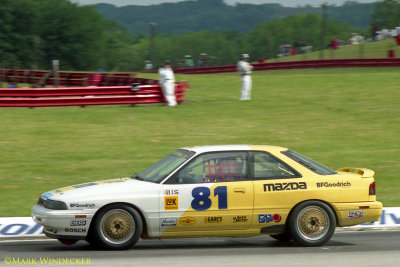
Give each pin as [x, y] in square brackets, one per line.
[372, 189]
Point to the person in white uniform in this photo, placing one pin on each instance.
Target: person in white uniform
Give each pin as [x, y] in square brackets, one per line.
[167, 82]
[244, 69]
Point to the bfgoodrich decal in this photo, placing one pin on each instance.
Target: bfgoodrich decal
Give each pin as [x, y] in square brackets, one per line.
[338, 184]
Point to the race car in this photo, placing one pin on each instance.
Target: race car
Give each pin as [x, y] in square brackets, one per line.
[214, 191]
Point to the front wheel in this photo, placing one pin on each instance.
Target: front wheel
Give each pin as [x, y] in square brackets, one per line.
[117, 227]
[312, 223]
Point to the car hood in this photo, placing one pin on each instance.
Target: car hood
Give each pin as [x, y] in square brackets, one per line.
[99, 190]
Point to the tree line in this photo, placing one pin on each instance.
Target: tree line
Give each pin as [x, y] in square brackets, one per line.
[82, 39]
[215, 15]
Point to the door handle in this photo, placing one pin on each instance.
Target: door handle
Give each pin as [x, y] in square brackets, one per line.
[239, 190]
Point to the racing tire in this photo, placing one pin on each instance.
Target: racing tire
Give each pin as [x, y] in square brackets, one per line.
[312, 223]
[117, 227]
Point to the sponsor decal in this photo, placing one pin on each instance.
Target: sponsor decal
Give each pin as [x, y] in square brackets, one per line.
[239, 219]
[170, 202]
[285, 186]
[213, 219]
[171, 192]
[187, 220]
[355, 214]
[82, 205]
[338, 184]
[168, 222]
[75, 230]
[78, 223]
[267, 218]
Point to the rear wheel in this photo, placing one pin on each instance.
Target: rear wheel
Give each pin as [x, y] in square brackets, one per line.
[117, 227]
[312, 223]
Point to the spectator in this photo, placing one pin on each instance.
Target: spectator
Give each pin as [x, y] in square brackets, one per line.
[374, 31]
[244, 69]
[148, 65]
[189, 61]
[203, 60]
[167, 82]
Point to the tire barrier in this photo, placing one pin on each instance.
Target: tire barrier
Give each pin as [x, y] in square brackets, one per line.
[82, 96]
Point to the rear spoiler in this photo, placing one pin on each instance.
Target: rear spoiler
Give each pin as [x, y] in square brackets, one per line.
[365, 173]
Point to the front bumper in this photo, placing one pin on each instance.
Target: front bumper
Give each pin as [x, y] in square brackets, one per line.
[68, 224]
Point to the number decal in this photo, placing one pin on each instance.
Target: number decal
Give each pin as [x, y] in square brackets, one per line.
[222, 194]
[201, 198]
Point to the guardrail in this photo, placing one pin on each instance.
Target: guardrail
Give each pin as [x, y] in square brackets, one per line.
[327, 63]
[82, 96]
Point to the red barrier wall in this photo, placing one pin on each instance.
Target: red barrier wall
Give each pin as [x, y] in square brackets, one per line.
[82, 96]
[328, 63]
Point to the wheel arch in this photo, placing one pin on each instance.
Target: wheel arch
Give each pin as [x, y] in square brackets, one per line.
[319, 200]
[144, 222]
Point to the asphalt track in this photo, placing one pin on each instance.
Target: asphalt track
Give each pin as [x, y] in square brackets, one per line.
[362, 248]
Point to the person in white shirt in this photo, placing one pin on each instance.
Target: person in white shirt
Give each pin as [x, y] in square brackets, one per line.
[244, 69]
[167, 82]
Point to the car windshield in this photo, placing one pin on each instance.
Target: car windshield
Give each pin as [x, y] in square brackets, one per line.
[308, 163]
[161, 169]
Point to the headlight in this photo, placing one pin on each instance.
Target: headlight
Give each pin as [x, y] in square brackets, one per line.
[55, 205]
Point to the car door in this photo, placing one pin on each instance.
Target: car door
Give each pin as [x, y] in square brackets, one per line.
[211, 193]
[277, 187]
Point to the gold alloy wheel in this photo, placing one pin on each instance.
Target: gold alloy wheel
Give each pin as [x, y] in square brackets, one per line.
[117, 226]
[313, 223]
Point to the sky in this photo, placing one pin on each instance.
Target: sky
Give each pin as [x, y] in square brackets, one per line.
[291, 3]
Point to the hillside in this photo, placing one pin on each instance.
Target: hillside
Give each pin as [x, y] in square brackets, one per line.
[378, 49]
[215, 15]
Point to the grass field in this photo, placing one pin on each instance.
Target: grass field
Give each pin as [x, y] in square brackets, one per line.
[340, 117]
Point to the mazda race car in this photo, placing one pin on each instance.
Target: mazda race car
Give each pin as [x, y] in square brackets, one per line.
[210, 191]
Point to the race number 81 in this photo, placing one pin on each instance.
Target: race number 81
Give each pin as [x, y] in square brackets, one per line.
[201, 198]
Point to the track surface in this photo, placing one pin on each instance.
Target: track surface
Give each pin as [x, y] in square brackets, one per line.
[353, 249]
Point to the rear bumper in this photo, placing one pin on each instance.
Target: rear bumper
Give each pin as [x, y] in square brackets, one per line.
[349, 214]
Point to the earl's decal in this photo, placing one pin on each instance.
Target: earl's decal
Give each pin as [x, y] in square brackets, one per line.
[170, 202]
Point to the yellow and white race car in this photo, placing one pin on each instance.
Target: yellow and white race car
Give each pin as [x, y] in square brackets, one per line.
[210, 191]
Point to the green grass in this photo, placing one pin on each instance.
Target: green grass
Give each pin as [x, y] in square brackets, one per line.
[377, 49]
[340, 117]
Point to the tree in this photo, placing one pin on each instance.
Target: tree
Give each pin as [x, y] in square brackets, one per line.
[387, 13]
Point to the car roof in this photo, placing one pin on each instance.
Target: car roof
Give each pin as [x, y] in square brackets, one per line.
[213, 148]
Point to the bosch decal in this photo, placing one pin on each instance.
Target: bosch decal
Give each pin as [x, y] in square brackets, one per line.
[338, 184]
[170, 202]
[75, 230]
[285, 186]
[213, 219]
[266, 218]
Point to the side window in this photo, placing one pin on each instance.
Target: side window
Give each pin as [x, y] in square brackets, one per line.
[213, 168]
[265, 166]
